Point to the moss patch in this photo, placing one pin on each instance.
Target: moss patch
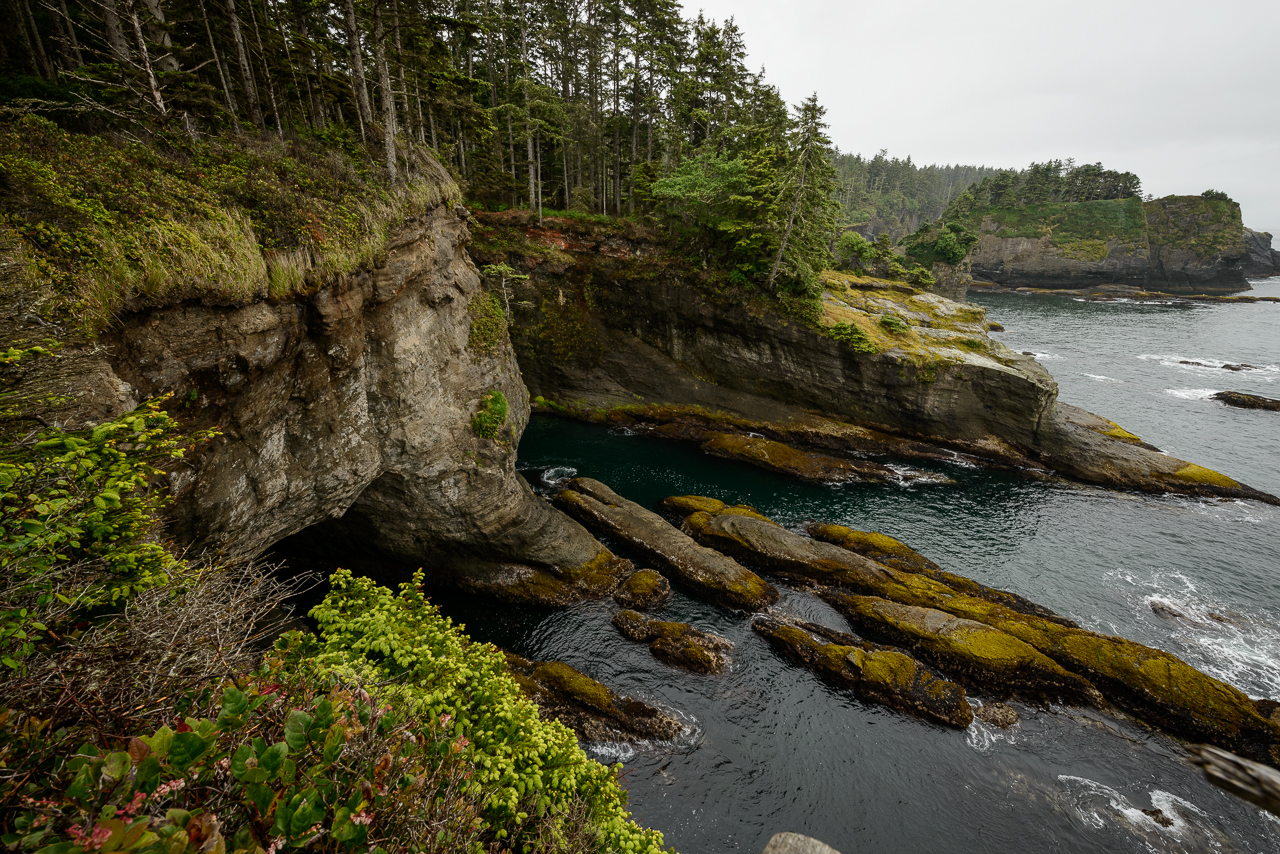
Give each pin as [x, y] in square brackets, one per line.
[575, 684]
[488, 324]
[1118, 432]
[1192, 473]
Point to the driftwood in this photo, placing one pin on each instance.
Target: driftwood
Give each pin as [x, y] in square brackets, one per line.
[1256, 783]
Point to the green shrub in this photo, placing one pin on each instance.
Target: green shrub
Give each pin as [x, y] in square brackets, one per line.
[853, 335]
[1216, 195]
[894, 324]
[487, 423]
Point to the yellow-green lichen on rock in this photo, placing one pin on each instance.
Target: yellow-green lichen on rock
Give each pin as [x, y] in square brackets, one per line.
[1192, 473]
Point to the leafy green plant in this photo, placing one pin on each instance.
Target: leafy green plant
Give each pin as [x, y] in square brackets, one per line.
[894, 324]
[487, 423]
[853, 335]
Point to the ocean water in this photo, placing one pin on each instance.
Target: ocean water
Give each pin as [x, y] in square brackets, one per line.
[770, 748]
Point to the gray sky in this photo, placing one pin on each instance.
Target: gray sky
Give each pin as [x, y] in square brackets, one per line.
[1183, 94]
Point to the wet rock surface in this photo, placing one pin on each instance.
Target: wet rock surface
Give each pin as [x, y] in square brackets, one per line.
[784, 459]
[1247, 401]
[971, 651]
[705, 573]
[1149, 683]
[999, 715]
[590, 708]
[875, 673]
[643, 590]
[677, 644]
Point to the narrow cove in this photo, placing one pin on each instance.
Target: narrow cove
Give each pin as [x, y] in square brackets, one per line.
[772, 747]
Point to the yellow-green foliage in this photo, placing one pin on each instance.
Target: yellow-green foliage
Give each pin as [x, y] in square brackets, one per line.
[488, 324]
[1192, 473]
[487, 423]
[1118, 432]
[435, 670]
[853, 335]
[107, 221]
[1068, 223]
[1084, 250]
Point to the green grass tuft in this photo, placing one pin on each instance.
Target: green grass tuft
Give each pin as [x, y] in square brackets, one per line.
[487, 423]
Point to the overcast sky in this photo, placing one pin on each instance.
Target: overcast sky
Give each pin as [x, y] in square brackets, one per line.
[1186, 95]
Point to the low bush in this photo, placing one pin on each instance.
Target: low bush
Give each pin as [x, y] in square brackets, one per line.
[487, 423]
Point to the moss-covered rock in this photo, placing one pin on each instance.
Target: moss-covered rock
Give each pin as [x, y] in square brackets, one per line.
[677, 644]
[968, 650]
[644, 590]
[590, 708]
[784, 459]
[894, 553]
[700, 570]
[997, 714]
[878, 674]
[554, 586]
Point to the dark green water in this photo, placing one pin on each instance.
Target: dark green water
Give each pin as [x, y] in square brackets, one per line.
[771, 748]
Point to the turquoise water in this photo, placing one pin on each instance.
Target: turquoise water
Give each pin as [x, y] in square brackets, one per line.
[770, 748]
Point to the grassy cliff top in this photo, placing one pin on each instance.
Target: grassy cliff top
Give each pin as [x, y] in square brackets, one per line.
[1203, 225]
[1122, 220]
[107, 221]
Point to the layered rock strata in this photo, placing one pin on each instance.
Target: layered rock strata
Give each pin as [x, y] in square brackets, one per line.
[874, 673]
[703, 572]
[1154, 685]
[1178, 244]
[346, 414]
[608, 328]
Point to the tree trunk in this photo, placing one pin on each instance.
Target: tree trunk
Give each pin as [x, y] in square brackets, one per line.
[71, 34]
[156, 99]
[115, 32]
[388, 97]
[246, 71]
[159, 34]
[358, 83]
[266, 72]
[227, 94]
[791, 218]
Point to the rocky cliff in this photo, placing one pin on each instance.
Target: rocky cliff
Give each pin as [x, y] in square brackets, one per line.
[606, 324]
[1262, 261]
[1178, 244]
[346, 424]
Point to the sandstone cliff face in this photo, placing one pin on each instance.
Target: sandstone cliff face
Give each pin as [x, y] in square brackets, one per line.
[1180, 244]
[353, 408]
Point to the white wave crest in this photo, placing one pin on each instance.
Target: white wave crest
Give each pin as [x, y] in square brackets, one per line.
[1171, 816]
[1192, 393]
[1207, 366]
[558, 475]
[1102, 379]
[1240, 646]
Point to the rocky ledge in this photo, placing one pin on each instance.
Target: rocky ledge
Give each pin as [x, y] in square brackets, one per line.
[1247, 401]
[610, 329]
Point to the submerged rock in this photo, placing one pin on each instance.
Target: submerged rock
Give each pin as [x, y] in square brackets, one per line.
[590, 708]
[976, 653]
[705, 573]
[997, 714]
[875, 673]
[794, 843]
[1247, 401]
[643, 590]
[677, 644]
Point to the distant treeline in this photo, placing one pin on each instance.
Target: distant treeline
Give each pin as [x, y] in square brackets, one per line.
[1039, 183]
[883, 194]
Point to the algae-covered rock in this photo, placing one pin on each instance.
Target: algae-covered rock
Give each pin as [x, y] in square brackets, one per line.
[1247, 401]
[682, 505]
[677, 644]
[894, 553]
[644, 590]
[997, 714]
[972, 651]
[784, 459]
[703, 572]
[875, 673]
[586, 706]
[1152, 684]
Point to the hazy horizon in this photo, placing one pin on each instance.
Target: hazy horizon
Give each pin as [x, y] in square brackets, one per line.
[1180, 94]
